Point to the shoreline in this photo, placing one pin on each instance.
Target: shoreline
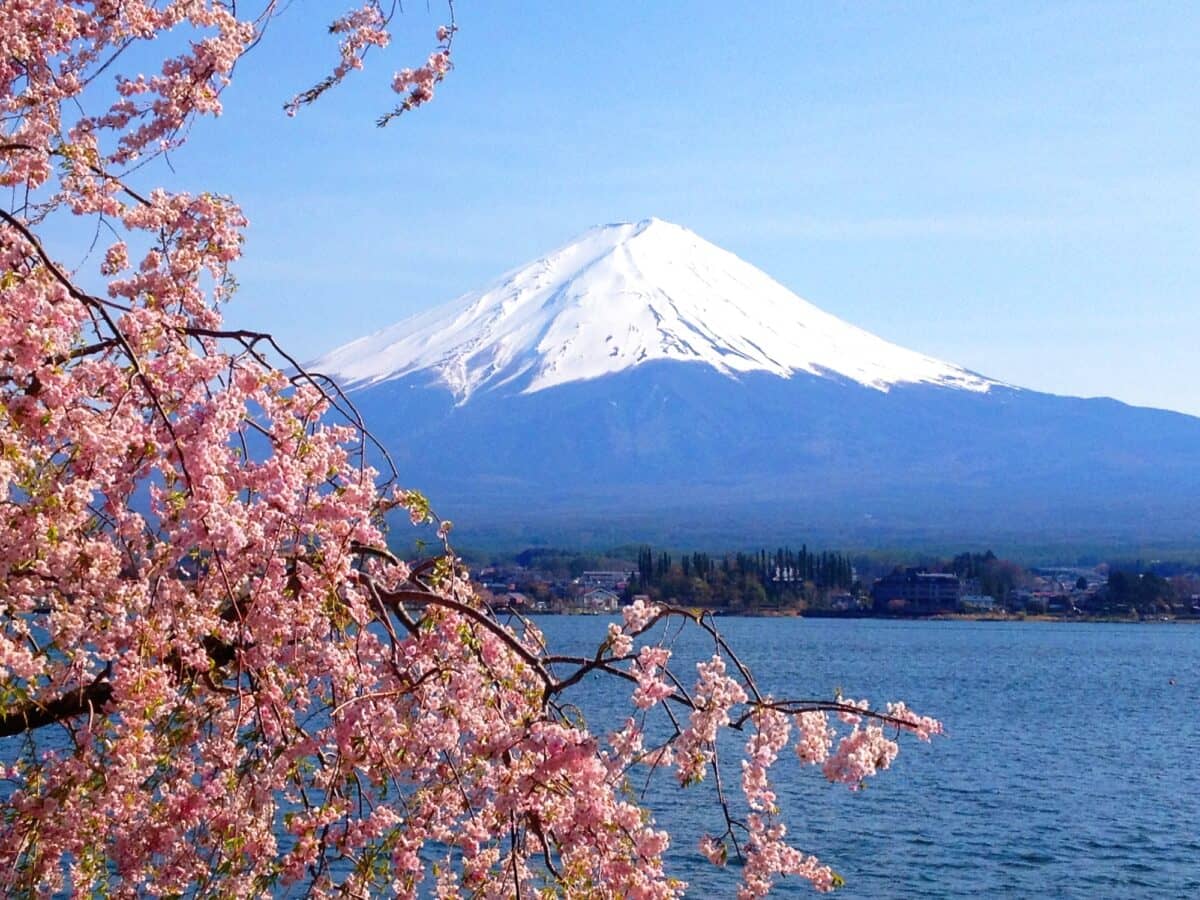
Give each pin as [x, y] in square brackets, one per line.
[938, 617]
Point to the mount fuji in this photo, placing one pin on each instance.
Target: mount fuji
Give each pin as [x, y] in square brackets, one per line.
[641, 383]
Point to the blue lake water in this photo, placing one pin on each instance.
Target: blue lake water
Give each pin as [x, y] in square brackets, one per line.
[1071, 765]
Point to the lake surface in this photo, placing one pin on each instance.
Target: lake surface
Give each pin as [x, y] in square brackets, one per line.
[1070, 768]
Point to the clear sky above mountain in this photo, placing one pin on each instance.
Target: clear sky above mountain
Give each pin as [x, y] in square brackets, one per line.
[1012, 187]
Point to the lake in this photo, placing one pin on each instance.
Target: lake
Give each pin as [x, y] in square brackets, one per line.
[1070, 768]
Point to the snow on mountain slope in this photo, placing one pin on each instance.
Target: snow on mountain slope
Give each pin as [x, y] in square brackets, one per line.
[621, 295]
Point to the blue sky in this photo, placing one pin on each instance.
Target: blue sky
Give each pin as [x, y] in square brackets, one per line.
[1013, 187]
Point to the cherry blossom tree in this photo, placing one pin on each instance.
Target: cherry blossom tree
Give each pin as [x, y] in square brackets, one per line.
[215, 679]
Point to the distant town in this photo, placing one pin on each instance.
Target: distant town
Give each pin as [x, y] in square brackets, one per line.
[832, 584]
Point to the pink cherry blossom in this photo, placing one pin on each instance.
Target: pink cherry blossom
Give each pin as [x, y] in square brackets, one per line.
[248, 691]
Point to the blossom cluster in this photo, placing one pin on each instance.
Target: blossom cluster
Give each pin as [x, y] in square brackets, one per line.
[419, 82]
[844, 736]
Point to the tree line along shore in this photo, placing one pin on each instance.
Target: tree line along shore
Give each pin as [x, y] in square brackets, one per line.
[803, 581]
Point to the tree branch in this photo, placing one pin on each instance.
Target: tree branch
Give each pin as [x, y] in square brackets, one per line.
[33, 715]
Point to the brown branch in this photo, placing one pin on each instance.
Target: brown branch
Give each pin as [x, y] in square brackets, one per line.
[701, 620]
[88, 299]
[100, 307]
[80, 352]
[395, 599]
[82, 700]
[587, 666]
[723, 802]
[792, 707]
[535, 826]
[328, 388]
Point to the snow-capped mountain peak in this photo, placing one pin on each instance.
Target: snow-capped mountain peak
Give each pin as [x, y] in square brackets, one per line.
[621, 295]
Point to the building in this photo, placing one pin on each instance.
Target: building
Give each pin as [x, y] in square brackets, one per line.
[513, 600]
[600, 600]
[978, 602]
[916, 592]
[612, 581]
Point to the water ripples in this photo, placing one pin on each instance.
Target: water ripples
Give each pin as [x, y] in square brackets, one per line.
[1071, 766]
